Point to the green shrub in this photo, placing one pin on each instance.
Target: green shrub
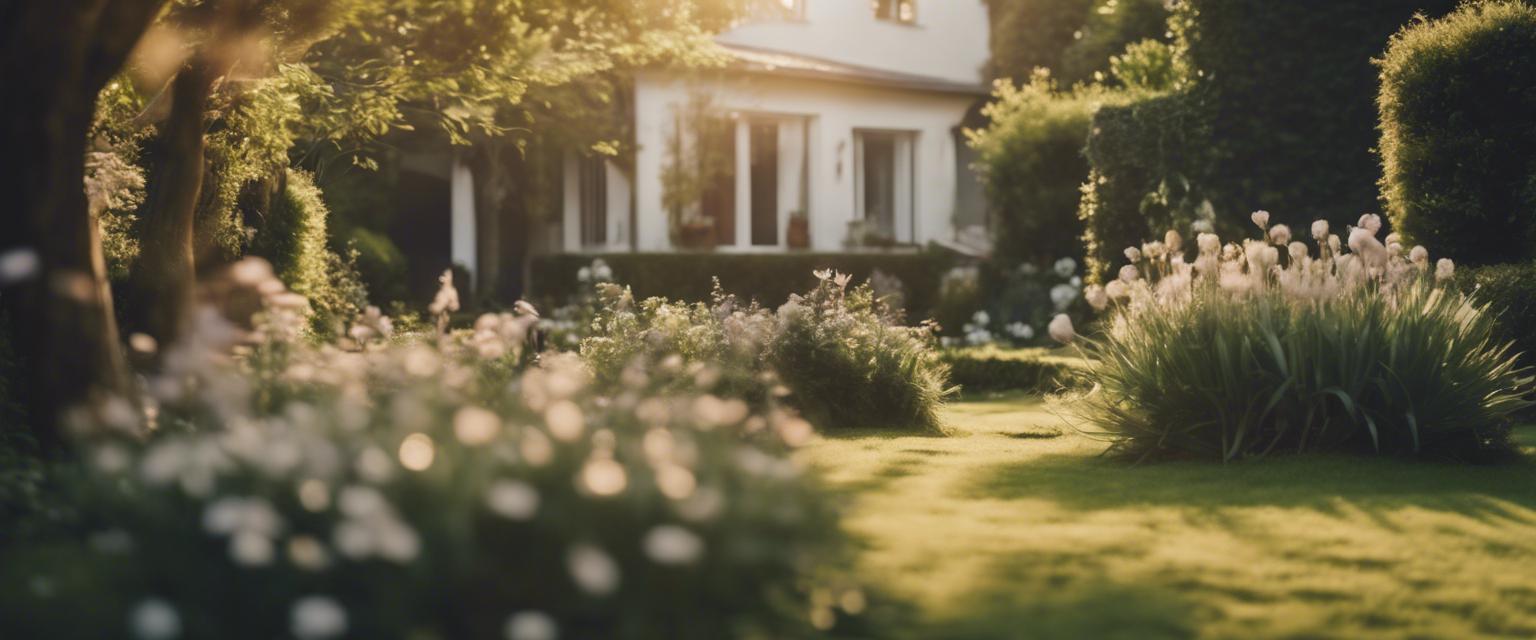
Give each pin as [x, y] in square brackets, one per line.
[986, 369]
[1509, 290]
[1147, 157]
[1111, 26]
[1458, 134]
[847, 366]
[768, 278]
[1028, 34]
[293, 239]
[426, 488]
[1031, 159]
[1242, 354]
[380, 264]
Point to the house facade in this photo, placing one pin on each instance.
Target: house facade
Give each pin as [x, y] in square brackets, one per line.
[835, 125]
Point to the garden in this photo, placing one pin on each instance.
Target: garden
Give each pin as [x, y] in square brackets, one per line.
[1244, 347]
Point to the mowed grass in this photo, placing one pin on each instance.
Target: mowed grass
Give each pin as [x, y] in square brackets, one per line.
[1003, 531]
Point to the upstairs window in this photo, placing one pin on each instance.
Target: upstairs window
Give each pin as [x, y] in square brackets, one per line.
[898, 11]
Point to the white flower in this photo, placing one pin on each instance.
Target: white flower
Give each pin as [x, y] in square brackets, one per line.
[1280, 235]
[1021, 331]
[1116, 290]
[1419, 255]
[1129, 273]
[1444, 270]
[1209, 243]
[154, 619]
[673, 545]
[1061, 329]
[250, 549]
[317, 618]
[1062, 296]
[1298, 252]
[1370, 222]
[601, 272]
[1173, 241]
[1132, 254]
[475, 426]
[307, 553]
[1065, 267]
[981, 318]
[1260, 218]
[17, 265]
[593, 570]
[1320, 230]
[584, 274]
[512, 499]
[531, 625]
[1097, 298]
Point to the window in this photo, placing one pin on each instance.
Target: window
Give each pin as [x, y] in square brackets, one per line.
[901, 11]
[592, 180]
[883, 171]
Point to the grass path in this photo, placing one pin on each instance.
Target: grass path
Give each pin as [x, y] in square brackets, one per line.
[1001, 532]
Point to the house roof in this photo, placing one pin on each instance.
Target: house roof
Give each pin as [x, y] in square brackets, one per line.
[778, 63]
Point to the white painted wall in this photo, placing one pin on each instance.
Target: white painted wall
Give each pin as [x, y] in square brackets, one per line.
[949, 40]
[832, 111]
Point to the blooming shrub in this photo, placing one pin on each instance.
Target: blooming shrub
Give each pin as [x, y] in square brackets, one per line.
[846, 365]
[1272, 346]
[425, 488]
[834, 354]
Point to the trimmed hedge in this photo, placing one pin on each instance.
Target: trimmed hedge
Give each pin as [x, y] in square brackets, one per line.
[1031, 158]
[1147, 157]
[293, 239]
[989, 369]
[1458, 133]
[1510, 290]
[766, 278]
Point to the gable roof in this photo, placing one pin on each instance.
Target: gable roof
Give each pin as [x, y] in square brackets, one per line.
[778, 63]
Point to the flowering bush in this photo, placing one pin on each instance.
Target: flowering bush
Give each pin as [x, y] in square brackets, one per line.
[424, 488]
[835, 354]
[1271, 345]
[847, 365]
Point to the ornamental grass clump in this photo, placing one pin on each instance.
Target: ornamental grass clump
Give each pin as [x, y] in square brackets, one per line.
[424, 487]
[1274, 345]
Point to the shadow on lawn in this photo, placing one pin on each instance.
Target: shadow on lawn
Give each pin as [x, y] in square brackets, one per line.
[1317, 481]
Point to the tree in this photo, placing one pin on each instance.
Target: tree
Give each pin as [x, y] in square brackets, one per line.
[56, 57]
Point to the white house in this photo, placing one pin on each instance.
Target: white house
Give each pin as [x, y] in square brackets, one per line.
[844, 113]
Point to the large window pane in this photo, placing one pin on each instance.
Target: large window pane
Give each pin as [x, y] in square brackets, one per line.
[765, 184]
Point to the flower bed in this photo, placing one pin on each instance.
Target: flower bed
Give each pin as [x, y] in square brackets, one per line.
[1270, 346]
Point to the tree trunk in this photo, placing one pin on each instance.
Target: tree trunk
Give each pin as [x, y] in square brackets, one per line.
[55, 57]
[493, 188]
[164, 276]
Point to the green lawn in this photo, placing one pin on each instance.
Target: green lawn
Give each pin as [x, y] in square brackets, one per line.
[1007, 530]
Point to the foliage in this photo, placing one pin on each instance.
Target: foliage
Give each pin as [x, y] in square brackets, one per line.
[1113, 26]
[1031, 159]
[1030, 34]
[991, 369]
[293, 239]
[847, 366]
[424, 488]
[1149, 65]
[764, 278]
[695, 162]
[1147, 157]
[1241, 354]
[1509, 290]
[1458, 143]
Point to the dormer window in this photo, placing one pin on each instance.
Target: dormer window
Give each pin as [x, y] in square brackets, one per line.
[898, 11]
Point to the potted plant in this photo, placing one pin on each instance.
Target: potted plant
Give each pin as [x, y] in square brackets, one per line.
[799, 234]
[697, 232]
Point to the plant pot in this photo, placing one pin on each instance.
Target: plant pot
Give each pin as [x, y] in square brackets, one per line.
[799, 234]
[697, 235]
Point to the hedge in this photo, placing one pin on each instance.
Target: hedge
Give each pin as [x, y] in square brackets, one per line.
[293, 239]
[1510, 291]
[989, 369]
[1147, 159]
[1458, 133]
[767, 278]
[1031, 159]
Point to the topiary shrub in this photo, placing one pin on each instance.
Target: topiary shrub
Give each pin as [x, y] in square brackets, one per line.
[1240, 353]
[1458, 135]
[1031, 159]
[989, 369]
[1147, 157]
[293, 238]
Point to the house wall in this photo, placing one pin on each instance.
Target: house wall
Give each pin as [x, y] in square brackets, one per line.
[949, 40]
[833, 112]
